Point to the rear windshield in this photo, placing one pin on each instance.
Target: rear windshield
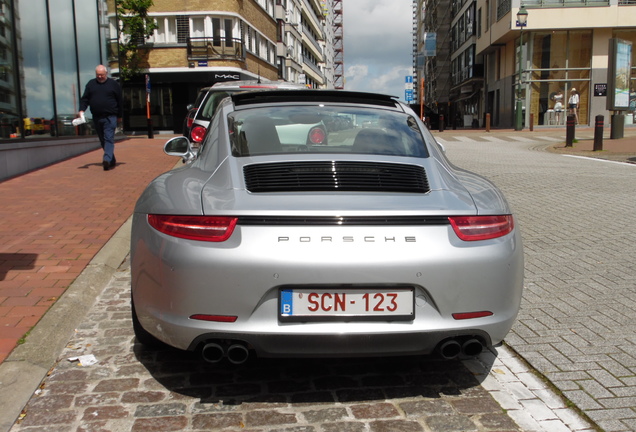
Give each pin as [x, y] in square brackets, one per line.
[324, 129]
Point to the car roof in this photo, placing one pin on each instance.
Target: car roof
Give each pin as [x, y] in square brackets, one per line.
[274, 96]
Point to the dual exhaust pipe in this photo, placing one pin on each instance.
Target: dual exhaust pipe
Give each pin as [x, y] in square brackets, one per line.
[214, 352]
[238, 353]
[452, 348]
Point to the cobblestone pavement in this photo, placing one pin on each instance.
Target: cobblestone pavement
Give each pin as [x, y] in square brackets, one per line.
[132, 388]
[576, 325]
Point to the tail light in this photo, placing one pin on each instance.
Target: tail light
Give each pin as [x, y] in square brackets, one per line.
[200, 228]
[197, 133]
[317, 136]
[473, 228]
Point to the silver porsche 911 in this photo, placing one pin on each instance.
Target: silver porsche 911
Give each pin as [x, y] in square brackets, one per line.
[276, 240]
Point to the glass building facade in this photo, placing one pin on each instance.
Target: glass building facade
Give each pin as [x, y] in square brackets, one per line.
[559, 61]
[48, 51]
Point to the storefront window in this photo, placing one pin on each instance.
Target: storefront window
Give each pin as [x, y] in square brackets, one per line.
[559, 62]
[36, 57]
[135, 106]
[64, 63]
[39, 76]
[9, 108]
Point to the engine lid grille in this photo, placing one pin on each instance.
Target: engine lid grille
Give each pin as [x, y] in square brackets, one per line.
[333, 176]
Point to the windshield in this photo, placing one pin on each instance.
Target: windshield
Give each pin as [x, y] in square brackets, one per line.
[324, 129]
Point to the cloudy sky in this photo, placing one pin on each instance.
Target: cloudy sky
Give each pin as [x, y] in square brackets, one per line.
[378, 45]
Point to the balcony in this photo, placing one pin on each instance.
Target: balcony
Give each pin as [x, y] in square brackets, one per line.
[533, 4]
[215, 48]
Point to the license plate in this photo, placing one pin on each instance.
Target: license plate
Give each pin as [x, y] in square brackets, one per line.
[369, 303]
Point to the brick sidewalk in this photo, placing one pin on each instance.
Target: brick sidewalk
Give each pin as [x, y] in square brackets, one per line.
[56, 219]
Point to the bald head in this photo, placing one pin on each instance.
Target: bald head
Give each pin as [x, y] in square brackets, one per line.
[101, 73]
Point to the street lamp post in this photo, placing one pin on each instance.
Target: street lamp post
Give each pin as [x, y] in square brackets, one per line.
[522, 21]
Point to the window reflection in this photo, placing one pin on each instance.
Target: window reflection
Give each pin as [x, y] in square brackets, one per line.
[36, 57]
[9, 103]
[58, 50]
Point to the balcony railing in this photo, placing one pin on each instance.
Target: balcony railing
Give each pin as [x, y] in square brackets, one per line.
[211, 48]
[565, 3]
[503, 7]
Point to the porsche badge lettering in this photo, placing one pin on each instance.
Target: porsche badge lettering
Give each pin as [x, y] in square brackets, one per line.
[346, 239]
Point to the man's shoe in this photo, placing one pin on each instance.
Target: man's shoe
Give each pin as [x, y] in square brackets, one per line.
[113, 162]
[106, 165]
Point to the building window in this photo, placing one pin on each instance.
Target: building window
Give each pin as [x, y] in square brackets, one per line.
[229, 30]
[183, 28]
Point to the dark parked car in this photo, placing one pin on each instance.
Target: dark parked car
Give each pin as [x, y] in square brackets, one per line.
[208, 98]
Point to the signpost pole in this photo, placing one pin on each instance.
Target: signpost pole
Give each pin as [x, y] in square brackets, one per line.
[148, 116]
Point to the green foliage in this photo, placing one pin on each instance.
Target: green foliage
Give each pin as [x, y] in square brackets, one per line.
[135, 27]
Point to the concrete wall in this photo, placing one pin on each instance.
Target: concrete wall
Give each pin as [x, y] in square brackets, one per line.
[21, 157]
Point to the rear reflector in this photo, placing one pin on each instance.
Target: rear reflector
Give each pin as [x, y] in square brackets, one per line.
[471, 315]
[200, 228]
[473, 228]
[215, 318]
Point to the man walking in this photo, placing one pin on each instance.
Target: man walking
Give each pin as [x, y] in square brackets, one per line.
[104, 96]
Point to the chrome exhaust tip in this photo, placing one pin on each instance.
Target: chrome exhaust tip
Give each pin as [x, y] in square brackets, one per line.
[212, 352]
[472, 347]
[450, 349]
[238, 354]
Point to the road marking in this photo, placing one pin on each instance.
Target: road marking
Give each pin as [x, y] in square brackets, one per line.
[599, 160]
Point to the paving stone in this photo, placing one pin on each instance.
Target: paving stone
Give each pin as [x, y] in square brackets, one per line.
[160, 424]
[452, 423]
[395, 425]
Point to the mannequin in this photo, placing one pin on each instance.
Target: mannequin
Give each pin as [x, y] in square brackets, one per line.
[573, 104]
[558, 105]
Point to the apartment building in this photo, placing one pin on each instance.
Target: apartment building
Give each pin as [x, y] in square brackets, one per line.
[199, 43]
[565, 46]
[432, 57]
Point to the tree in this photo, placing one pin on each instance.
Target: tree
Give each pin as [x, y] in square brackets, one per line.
[135, 27]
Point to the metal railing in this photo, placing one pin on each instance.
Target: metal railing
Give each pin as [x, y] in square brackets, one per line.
[211, 48]
[533, 4]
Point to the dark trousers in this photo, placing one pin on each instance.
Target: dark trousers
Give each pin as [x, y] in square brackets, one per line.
[105, 127]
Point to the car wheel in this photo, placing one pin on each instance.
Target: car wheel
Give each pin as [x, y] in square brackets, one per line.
[142, 336]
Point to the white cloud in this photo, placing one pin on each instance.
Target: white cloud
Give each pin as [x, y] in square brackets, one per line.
[377, 45]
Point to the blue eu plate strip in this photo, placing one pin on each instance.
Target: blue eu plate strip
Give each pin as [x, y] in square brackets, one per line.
[286, 302]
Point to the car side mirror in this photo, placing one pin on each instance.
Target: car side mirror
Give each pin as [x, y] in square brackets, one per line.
[179, 146]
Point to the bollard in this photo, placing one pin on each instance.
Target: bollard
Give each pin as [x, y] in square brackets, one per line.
[488, 122]
[598, 133]
[569, 130]
[441, 122]
[531, 122]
